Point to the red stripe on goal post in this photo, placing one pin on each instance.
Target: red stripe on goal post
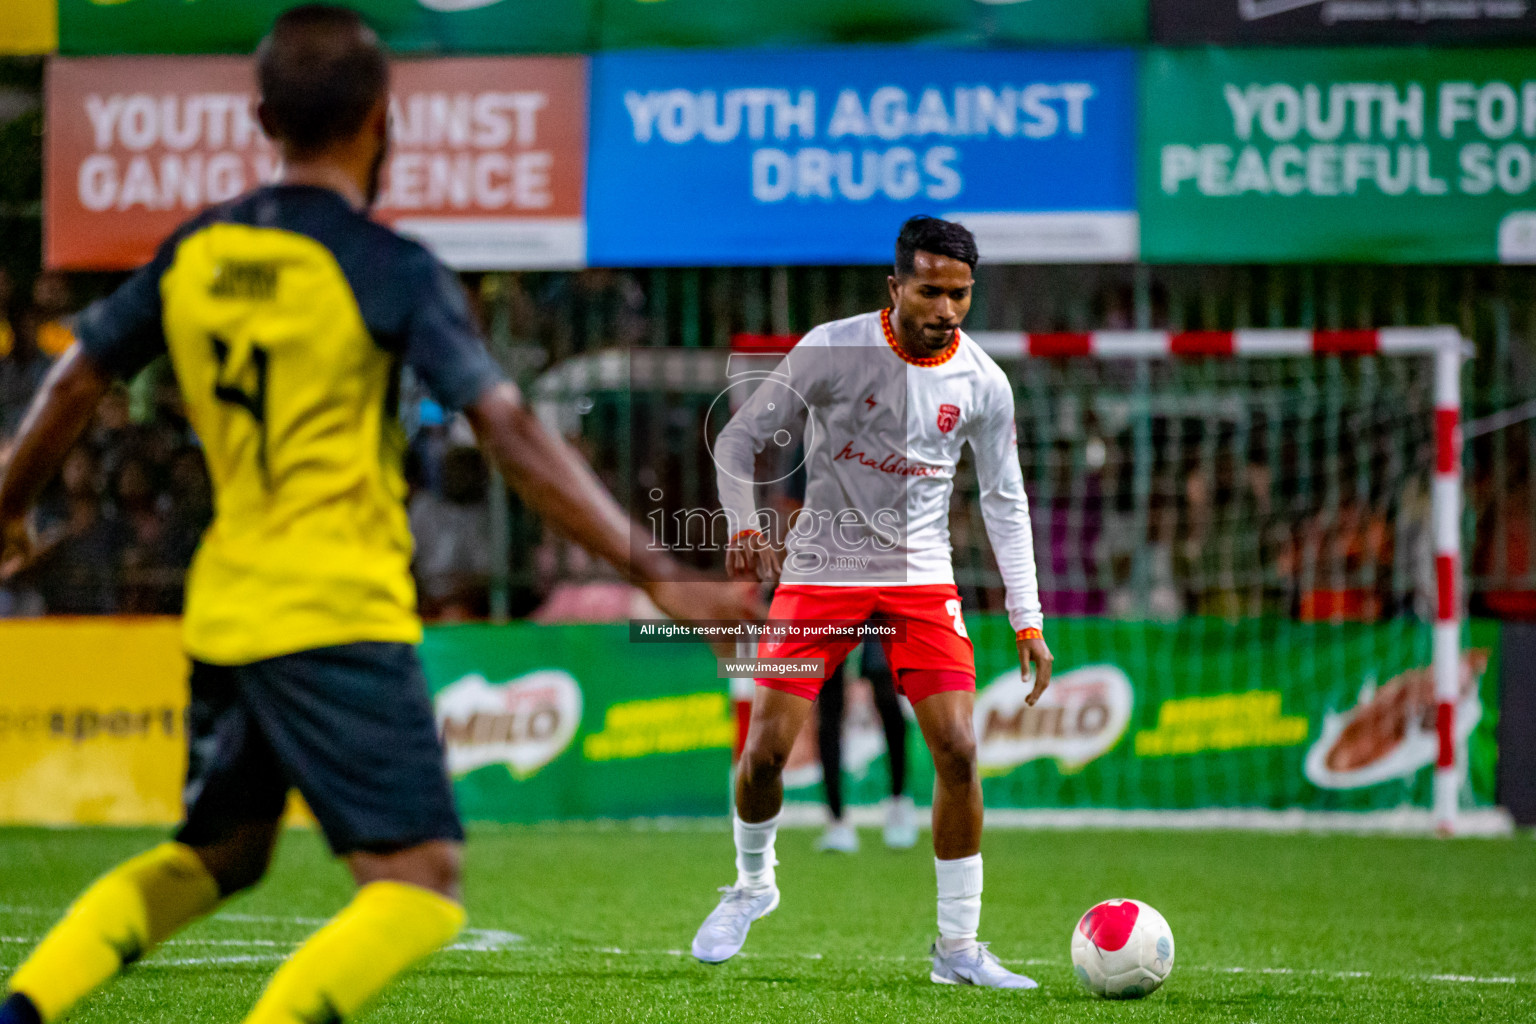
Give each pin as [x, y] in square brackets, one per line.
[1061, 344]
[766, 344]
[1445, 730]
[1363, 343]
[1445, 588]
[1447, 440]
[1201, 343]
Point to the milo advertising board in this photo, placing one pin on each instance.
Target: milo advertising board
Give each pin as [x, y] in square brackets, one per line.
[546, 722]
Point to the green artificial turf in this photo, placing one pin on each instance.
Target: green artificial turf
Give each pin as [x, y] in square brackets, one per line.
[591, 923]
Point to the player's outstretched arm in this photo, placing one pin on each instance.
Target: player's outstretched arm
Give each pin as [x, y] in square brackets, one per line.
[557, 483]
[58, 416]
[1005, 511]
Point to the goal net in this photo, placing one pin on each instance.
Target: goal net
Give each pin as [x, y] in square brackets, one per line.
[1248, 547]
[1259, 532]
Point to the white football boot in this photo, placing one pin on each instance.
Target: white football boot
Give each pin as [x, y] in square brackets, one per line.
[900, 823]
[724, 931]
[977, 965]
[839, 837]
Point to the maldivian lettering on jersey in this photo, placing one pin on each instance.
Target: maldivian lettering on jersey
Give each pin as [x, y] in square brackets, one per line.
[816, 157]
[486, 165]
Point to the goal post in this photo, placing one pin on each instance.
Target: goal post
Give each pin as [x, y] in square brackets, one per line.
[1443, 347]
[1249, 551]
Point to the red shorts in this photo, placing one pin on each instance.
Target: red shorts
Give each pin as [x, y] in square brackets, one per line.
[932, 655]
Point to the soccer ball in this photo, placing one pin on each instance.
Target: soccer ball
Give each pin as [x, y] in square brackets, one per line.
[1122, 949]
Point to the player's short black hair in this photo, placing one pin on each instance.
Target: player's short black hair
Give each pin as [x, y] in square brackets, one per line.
[321, 70]
[940, 237]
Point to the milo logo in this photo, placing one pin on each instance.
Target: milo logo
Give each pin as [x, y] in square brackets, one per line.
[1079, 718]
[524, 723]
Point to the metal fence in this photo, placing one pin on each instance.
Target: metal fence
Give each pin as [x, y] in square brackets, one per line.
[553, 330]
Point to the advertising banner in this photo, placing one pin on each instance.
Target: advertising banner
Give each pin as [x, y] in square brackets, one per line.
[548, 722]
[752, 158]
[486, 166]
[576, 722]
[92, 726]
[1338, 155]
[1060, 21]
[29, 26]
[628, 24]
[1329, 22]
[1197, 714]
[406, 26]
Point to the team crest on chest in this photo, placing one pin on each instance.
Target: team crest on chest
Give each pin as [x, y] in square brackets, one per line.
[949, 415]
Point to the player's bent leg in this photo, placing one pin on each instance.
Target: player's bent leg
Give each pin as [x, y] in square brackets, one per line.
[945, 720]
[777, 718]
[436, 865]
[945, 717]
[123, 915]
[240, 858]
[354, 725]
[406, 908]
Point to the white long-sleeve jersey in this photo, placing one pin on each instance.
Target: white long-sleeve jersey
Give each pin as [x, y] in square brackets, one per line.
[881, 435]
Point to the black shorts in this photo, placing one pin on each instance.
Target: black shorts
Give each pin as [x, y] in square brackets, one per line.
[350, 727]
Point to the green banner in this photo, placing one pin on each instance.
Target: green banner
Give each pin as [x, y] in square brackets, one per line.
[407, 26]
[557, 722]
[569, 26]
[1353, 155]
[642, 23]
[553, 722]
[1060, 21]
[1203, 713]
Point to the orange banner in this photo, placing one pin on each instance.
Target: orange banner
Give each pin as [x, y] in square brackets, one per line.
[487, 161]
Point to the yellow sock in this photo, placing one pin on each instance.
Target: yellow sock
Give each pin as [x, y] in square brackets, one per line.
[386, 928]
[122, 916]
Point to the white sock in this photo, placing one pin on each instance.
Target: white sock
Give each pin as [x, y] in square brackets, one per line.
[754, 852]
[959, 902]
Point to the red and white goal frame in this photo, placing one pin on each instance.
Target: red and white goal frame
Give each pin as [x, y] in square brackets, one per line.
[1444, 345]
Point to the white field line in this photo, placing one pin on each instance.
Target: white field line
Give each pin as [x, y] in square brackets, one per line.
[498, 941]
[1485, 822]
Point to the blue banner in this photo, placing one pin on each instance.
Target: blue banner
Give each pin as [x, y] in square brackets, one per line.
[754, 158]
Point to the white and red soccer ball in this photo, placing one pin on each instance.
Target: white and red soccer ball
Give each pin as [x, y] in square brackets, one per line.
[1122, 949]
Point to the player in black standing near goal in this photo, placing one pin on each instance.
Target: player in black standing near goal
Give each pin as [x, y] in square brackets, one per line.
[900, 814]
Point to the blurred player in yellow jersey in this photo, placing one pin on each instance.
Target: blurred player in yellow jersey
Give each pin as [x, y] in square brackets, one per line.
[288, 315]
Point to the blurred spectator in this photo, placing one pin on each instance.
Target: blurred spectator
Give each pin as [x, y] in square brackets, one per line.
[75, 565]
[453, 540]
[429, 443]
[593, 309]
[21, 373]
[188, 510]
[148, 577]
[52, 303]
[111, 433]
[1502, 549]
[1337, 559]
[7, 296]
[17, 599]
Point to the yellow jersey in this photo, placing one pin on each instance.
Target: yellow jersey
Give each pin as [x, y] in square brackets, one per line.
[288, 316]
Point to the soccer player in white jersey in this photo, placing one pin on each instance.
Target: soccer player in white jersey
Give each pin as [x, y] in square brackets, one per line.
[883, 403]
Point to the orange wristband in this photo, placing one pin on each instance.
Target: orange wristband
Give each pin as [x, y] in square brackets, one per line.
[742, 533]
[1029, 634]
